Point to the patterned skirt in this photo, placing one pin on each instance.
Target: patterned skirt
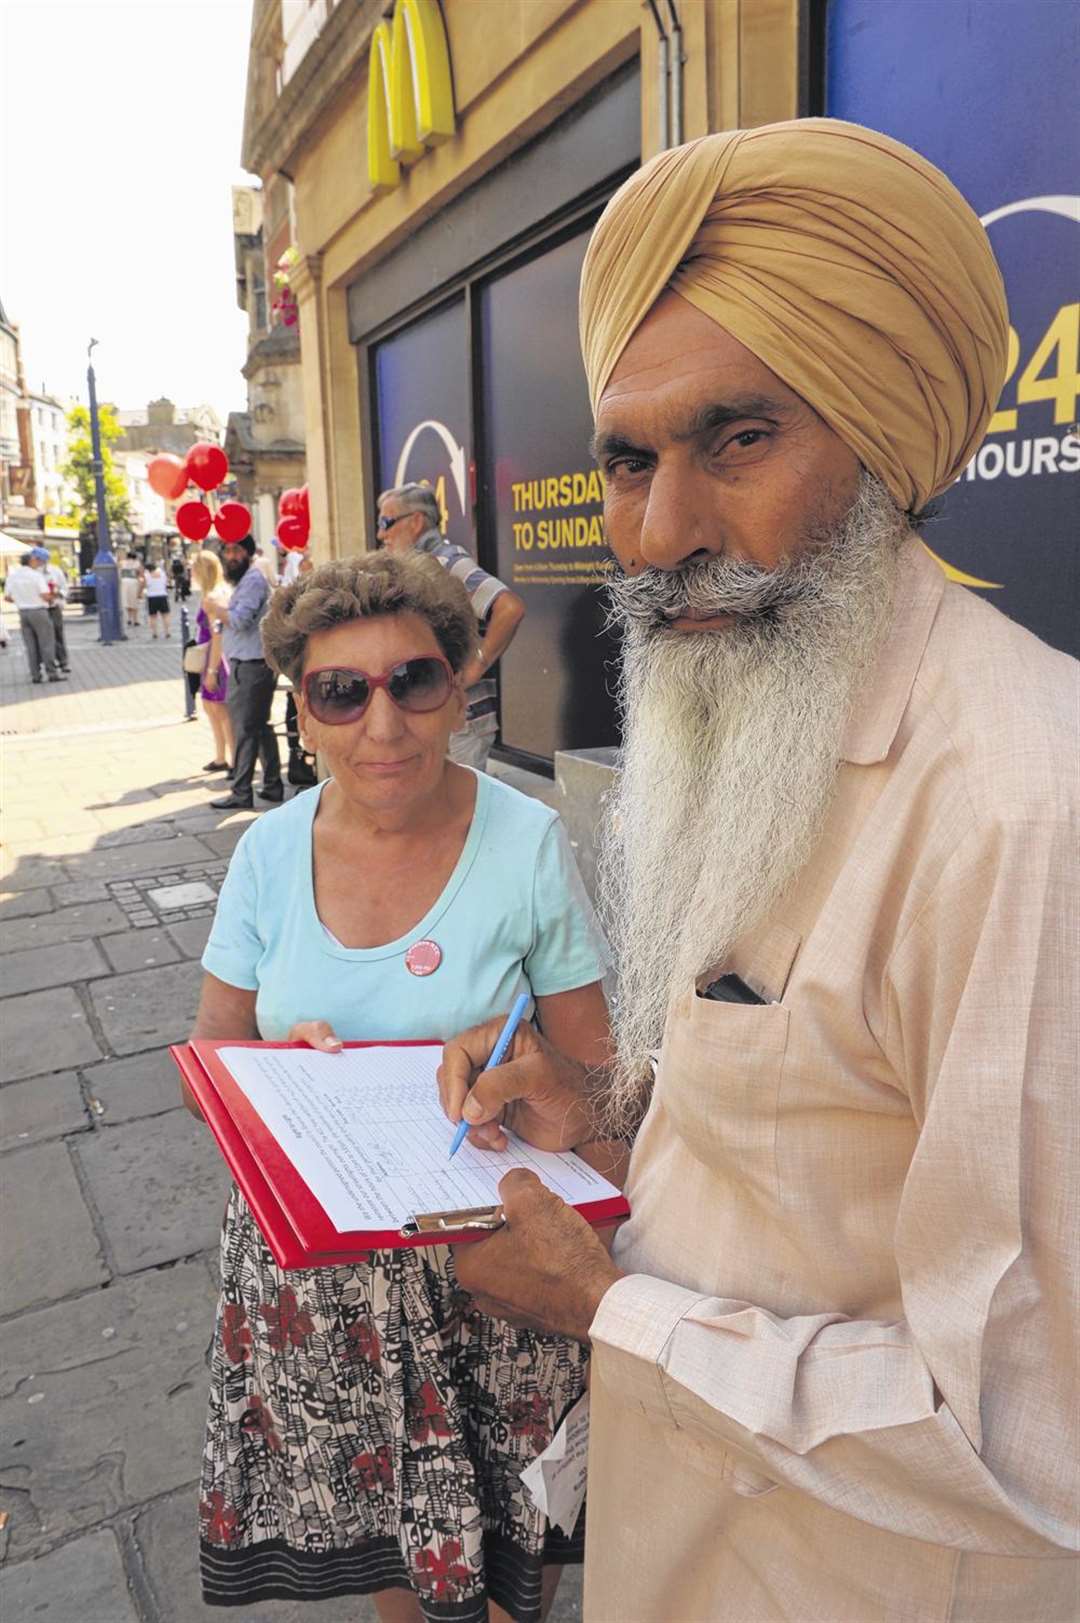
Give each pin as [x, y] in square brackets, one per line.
[367, 1430]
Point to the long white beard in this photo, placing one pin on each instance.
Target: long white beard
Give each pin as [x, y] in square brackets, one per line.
[731, 750]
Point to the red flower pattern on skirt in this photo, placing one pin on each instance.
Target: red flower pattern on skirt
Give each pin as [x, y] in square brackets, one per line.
[375, 1470]
[257, 1417]
[442, 1572]
[218, 1519]
[529, 1418]
[426, 1414]
[287, 1324]
[363, 1343]
[235, 1333]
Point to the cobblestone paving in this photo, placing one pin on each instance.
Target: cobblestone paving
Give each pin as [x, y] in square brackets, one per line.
[131, 682]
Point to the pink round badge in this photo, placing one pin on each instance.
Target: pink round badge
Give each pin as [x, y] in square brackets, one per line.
[423, 958]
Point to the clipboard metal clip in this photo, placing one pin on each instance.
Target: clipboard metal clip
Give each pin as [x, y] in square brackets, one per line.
[471, 1217]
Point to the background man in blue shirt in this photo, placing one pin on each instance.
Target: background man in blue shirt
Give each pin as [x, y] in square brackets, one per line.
[251, 681]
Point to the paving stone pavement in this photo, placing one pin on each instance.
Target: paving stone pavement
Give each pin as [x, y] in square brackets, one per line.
[83, 1579]
[141, 676]
[110, 1194]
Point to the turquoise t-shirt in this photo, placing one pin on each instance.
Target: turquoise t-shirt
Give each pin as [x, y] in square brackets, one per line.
[513, 917]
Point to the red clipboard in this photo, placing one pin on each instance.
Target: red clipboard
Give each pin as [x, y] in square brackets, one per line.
[291, 1219]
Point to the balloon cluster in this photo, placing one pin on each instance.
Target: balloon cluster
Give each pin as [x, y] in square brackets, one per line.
[207, 466]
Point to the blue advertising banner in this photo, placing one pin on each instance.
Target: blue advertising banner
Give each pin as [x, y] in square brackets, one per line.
[987, 90]
[422, 387]
[545, 505]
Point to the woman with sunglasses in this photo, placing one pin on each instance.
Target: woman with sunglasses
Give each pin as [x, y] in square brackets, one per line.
[367, 1425]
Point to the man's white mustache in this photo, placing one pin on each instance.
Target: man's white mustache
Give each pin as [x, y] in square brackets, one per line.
[718, 586]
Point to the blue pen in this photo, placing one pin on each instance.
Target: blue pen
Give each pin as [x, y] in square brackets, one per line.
[498, 1054]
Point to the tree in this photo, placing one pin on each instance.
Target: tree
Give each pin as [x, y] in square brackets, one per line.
[79, 467]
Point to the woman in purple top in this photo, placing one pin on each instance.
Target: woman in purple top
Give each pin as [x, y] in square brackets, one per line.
[207, 575]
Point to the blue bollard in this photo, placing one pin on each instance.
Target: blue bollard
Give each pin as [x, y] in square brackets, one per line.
[107, 589]
[106, 572]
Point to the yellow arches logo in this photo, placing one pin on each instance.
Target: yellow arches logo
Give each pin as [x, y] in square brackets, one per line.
[410, 92]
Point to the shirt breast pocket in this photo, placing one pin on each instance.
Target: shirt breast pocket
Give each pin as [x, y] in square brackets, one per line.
[719, 1082]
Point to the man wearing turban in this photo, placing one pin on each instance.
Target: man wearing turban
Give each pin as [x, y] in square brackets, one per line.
[835, 1345]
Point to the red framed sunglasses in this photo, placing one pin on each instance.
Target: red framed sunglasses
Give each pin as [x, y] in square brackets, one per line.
[337, 694]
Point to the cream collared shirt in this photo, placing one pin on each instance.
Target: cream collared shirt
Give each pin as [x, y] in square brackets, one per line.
[839, 1383]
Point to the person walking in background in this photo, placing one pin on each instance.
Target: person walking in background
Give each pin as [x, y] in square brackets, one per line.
[157, 598]
[209, 581]
[180, 578]
[57, 582]
[251, 681]
[409, 520]
[28, 589]
[131, 587]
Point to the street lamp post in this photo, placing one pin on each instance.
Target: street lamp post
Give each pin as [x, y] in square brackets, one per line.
[106, 573]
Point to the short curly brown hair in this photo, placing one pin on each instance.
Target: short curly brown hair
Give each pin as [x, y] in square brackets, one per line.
[361, 588]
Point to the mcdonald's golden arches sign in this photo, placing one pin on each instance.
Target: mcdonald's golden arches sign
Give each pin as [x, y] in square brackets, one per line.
[410, 92]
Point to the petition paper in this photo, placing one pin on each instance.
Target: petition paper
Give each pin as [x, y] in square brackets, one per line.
[366, 1133]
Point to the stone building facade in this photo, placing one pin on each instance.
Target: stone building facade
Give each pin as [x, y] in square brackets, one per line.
[49, 439]
[162, 426]
[265, 443]
[17, 504]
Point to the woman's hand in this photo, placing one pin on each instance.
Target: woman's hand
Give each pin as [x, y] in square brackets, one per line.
[538, 1091]
[317, 1034]
[210, 680]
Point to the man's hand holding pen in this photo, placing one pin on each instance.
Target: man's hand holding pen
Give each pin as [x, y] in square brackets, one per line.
[539, 1092]
[546, 1268]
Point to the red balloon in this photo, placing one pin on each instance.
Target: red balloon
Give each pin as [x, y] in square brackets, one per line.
[207, 465]
[232, 521]
[193, 521]
[167, 476]
[294, 504]
[293, 532]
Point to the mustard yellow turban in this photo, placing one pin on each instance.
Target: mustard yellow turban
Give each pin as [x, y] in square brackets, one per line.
[843, 260]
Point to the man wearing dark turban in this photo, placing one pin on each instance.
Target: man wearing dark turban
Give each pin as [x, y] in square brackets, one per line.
[835, 1366]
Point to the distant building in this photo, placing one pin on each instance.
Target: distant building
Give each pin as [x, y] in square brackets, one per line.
[265, 444]
[146, 509]
[160, 426]
[16, 450]
[49, 440]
